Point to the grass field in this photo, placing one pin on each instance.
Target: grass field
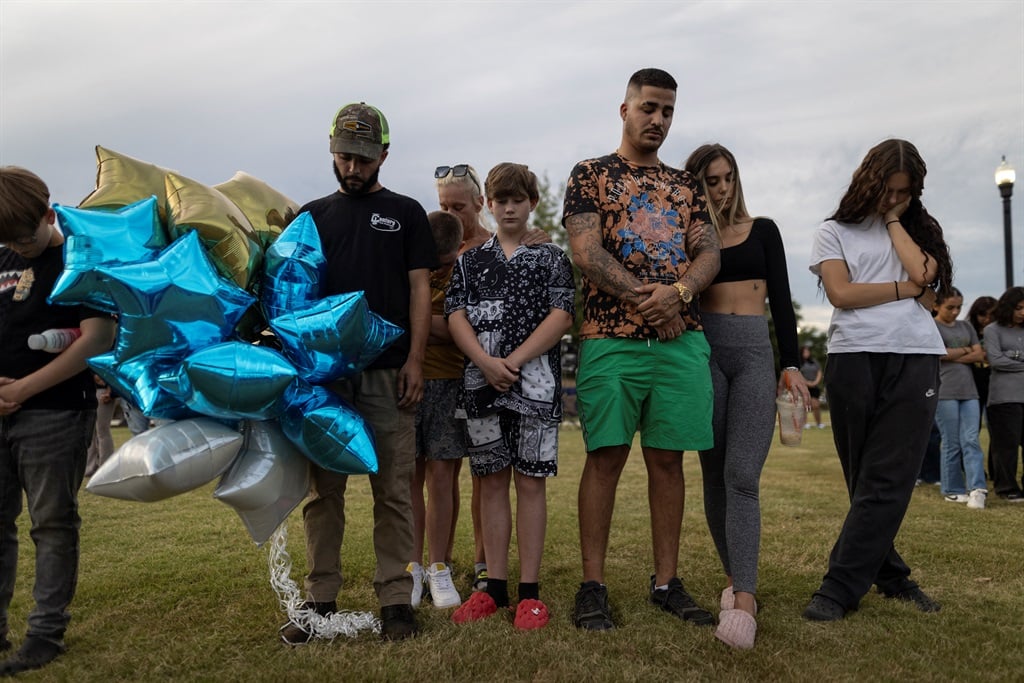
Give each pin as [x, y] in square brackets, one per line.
[176, 590]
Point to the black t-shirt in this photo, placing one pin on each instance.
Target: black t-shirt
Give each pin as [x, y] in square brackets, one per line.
[370, 243]
[24, 287]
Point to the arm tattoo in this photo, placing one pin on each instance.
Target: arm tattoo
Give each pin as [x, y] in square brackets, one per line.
[595, 262]
[702, 246]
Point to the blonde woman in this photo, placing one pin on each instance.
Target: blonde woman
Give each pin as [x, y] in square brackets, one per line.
[745, 381]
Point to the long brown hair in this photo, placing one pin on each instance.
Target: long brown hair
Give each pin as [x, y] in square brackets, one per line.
[1003, 312]
[698, 163]
[867, 187]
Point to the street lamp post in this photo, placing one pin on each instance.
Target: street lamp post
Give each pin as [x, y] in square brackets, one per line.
[1004, 181]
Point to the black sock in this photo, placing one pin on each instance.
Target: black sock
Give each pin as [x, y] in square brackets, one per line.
[529, 591]
[498, 590]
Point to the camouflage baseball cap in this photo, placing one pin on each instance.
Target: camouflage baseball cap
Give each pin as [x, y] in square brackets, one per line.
[359, 129]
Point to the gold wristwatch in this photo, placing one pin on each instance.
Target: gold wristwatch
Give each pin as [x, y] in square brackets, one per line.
[685, 293]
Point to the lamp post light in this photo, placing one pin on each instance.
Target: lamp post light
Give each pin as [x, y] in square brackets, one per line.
[1004, 181]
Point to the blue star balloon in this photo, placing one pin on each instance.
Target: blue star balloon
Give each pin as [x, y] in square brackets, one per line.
[268, 479]
[232, 380]
[96, 238]
[167, 460]
[176, 303]
[328, 431]
[294, 269]
[138, 379]
[335, 337]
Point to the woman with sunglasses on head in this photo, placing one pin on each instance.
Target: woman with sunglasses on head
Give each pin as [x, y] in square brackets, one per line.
[879, 256]
[744, 379]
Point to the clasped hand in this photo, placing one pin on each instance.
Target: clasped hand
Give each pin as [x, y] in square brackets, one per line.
[499, 373]
[661, 309]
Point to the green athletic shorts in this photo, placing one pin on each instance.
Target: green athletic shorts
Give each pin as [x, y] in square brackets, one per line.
[661, 388]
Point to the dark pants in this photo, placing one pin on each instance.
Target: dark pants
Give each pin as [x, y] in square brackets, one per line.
[1006, 434]
[883, 408]
[931, 472]
[43, 452]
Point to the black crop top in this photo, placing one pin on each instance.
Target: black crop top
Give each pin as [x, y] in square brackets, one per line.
[762, 257]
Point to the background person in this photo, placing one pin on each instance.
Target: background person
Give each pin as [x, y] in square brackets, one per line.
[810, 369]
[102, 445]
[1004, 347]
[876, 256]
[957, 415]
[744, 377]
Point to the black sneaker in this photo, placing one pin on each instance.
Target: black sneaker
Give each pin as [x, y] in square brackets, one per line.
[676, 601]
[34, 653]
[1013, 497]
[397, 622]
[592, 611]
[293, 634]
[822, 608]
[918, 597]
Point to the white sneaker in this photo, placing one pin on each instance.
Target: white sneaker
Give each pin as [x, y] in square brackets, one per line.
[956, 498]
[418, 577]
[442, 590]
[976, 499]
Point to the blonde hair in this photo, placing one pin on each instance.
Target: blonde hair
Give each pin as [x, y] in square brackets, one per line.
[698, 163]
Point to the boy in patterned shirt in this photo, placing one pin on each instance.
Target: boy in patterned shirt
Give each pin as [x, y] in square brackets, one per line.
[508, 306]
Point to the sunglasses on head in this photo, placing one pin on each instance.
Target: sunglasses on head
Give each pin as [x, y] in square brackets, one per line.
[457, 171]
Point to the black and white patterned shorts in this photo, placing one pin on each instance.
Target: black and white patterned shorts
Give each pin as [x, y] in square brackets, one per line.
[528, 444]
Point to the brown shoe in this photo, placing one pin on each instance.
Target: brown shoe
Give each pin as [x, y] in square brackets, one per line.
[293, 634]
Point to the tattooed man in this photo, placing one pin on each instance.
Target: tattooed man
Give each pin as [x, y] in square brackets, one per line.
[641, 235]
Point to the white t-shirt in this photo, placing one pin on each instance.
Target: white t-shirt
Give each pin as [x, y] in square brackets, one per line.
[895, 327]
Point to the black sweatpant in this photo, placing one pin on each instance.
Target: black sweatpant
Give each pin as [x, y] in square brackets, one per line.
[1006, 435]
[882, 407]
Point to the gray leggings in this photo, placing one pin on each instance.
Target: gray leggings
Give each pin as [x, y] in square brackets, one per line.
[743, 375]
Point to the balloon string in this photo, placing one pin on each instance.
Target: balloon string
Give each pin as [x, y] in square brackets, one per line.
[343, 623]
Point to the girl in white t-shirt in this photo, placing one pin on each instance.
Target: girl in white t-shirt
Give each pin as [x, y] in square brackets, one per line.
[880, 257]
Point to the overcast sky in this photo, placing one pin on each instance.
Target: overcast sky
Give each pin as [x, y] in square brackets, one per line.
[798, 90]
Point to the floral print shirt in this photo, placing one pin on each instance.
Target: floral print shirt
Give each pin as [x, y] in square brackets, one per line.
[645, 213]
